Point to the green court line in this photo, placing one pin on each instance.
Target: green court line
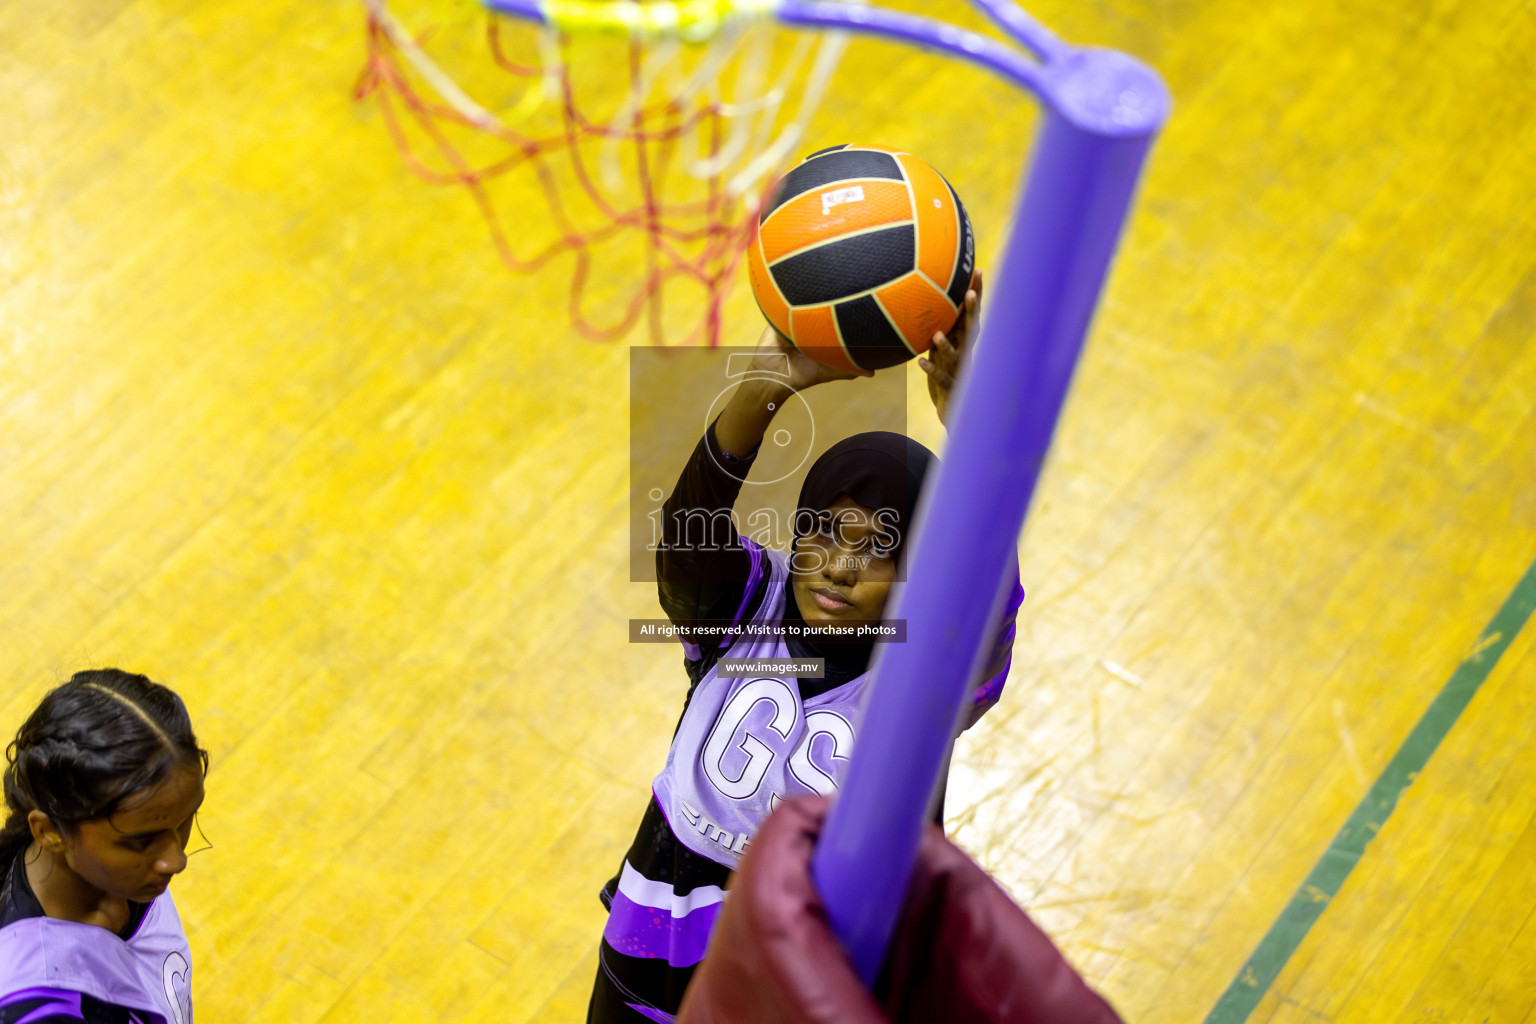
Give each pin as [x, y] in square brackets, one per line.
[1240, 998]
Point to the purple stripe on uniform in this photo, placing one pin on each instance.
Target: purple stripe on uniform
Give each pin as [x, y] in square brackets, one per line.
[1002, 651]
[57, 1003]
[652, 1013]
[755, 553]
[652, 932]
[754, 550]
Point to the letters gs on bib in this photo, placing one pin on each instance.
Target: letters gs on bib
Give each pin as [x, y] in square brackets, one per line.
[862, 254]
[736, 761]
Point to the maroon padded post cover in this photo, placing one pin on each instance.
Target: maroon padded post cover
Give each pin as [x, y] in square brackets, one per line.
[963, 952]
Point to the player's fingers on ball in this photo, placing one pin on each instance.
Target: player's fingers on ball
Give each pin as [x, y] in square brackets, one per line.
[968, 317]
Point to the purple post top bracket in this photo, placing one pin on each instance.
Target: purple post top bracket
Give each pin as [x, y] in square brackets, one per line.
[1106, 93]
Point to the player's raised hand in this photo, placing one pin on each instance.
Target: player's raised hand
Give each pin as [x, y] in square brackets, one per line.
[942, 364]
[772, 351]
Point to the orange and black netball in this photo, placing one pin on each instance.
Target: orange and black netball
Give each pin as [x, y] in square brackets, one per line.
[862, 254]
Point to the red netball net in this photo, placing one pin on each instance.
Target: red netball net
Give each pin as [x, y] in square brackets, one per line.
[649, 179]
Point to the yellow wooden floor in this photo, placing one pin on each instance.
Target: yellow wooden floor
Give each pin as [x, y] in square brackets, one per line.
[276, 429]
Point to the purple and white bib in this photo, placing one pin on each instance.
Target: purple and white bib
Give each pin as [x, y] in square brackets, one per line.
[747, 742]
[150, 973]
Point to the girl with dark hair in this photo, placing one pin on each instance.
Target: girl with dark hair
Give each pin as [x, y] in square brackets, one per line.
[747, 742]
[102, 784]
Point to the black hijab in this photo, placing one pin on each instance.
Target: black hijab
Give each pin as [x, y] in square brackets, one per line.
[880, 470]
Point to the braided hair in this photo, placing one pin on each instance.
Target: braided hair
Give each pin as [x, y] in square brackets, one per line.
[91, 744]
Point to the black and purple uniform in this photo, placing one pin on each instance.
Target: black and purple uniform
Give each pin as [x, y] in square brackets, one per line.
[743, 744]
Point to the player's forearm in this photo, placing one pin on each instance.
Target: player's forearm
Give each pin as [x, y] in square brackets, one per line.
[700, 556]
[745, 419]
